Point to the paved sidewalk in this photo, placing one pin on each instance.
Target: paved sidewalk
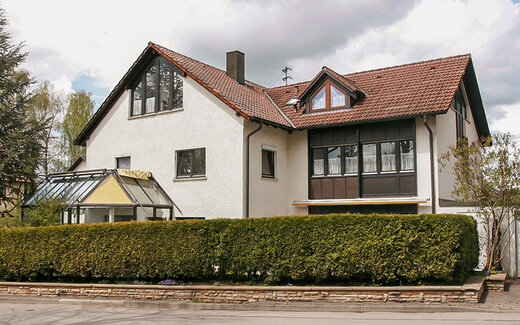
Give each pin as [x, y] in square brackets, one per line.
[493, 302]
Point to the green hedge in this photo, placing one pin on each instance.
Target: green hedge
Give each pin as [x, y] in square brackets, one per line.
[313, 249]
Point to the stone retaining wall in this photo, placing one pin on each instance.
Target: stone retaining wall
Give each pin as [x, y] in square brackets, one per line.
[468, 293]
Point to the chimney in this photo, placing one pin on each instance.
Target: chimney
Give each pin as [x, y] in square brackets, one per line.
[235, 65]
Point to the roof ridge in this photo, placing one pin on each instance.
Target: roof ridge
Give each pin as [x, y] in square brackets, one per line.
[408, 64]
[204, 63]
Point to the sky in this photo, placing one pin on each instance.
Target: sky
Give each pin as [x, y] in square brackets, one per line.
[91, 44]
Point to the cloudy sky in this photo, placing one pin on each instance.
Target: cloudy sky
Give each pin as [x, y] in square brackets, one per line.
[91, 44]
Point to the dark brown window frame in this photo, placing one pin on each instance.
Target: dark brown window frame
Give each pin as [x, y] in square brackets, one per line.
[271, 164]
[397, 153]
[327, 84]
[142, 79]
[325, 150]
[177, 164]
[461, 113]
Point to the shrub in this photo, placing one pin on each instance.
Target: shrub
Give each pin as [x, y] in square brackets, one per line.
[45, 213]
[375, 248]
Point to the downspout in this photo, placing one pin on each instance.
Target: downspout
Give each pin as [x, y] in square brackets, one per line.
[247, 167]
[432, 166]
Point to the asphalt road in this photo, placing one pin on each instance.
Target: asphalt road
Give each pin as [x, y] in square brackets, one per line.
[42, 314]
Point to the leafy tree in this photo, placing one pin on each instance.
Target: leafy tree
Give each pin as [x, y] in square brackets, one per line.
[79, 111]
[487, 176]
[20, 133]
[48, 104]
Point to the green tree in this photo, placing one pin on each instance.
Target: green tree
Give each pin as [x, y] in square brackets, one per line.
[45, 213]
[487, 176]
[48, 104]
[20, 133]
[79, 111]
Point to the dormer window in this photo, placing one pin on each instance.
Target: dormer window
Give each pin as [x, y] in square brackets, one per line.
[158, 89]
[328, 97]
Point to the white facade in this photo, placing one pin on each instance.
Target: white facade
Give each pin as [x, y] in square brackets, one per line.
[151, 142]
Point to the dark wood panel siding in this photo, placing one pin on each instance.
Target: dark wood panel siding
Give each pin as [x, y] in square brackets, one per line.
[348, 187]
[384, 209]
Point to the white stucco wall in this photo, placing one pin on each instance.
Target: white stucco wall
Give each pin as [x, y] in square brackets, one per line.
[298, 171]
[274, 197]
[151, 141]
[268, 197]
[422, 139]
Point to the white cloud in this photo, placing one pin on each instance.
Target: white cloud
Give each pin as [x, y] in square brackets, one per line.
[102, 39]
[509, 121]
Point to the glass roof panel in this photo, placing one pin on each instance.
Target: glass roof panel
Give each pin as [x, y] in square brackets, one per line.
[153, 191]
[69, 188]
[135, 191]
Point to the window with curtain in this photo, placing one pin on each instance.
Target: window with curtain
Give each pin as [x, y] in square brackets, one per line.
[318, 101]
[337, 98]
[388, 161]
[406, 155]
[351, 159]
[334, 160]
[328, 97]
[370, 158]
[318, 162]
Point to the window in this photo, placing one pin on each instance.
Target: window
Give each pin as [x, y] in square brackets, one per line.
[351, 159]
[369, 158]
[318, 162]
[191, 163]
[123, 163]
[267, 163]
[159, 89]
[334, 161]
[383, 157]
[328, 97]
[459, 105]
[337, 160]
[388, 159]
[407, 156]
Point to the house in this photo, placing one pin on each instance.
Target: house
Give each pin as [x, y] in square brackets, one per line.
[223, 146]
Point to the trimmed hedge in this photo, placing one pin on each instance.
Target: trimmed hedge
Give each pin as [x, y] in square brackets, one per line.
[313, 249]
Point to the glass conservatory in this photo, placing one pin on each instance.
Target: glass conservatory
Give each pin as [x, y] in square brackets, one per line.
[105, 195]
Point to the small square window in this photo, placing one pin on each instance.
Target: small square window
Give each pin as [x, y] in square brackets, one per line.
[267, 163]
[123, 163]
[191, 163]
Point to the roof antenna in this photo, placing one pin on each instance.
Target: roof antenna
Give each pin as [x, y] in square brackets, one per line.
[287, 77]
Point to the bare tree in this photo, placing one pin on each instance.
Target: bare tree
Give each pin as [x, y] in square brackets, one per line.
[487, 176]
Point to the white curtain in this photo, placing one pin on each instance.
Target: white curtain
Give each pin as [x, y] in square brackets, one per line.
[335, 165]
[369, 163]
[407, 161]
[351, 165]
[319, 167]
[388, 162]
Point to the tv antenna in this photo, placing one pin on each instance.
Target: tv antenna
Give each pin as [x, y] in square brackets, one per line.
[286, 72]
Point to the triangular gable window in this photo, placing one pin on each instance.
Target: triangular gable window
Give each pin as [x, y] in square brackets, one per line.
[328, 97]
[158, 89]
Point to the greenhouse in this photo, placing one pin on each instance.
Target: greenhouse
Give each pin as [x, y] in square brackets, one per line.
[105, 195]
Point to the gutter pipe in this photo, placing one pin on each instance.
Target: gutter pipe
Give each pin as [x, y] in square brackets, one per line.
[432, 166]
[247, 167]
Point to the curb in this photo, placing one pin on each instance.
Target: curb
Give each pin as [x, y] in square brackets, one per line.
[267, 306]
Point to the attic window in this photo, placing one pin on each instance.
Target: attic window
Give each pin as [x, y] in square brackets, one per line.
[328, 97]
[158, 89]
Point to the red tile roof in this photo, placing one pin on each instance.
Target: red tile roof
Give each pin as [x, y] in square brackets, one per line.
[249, 99]
[406, 90]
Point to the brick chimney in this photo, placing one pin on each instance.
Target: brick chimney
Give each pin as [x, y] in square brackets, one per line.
[235, 65]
